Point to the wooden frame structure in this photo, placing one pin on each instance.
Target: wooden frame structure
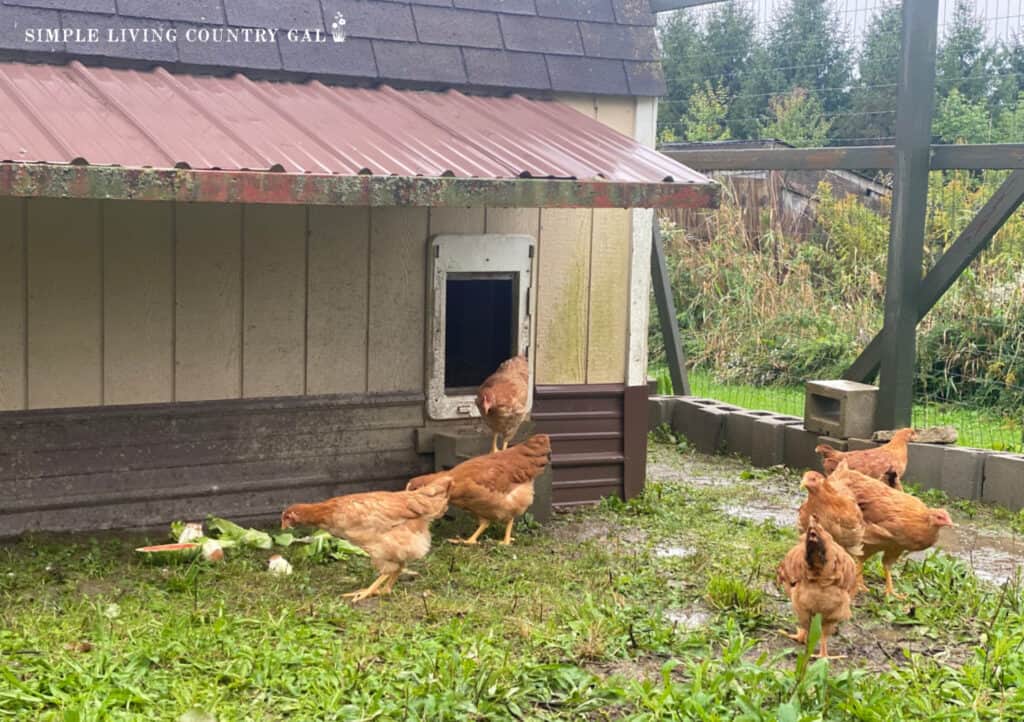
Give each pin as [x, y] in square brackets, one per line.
[891, 353]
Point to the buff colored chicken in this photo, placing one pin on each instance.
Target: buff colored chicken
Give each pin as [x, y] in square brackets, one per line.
[392, 527]
[820, 578]
[502, 399]
[886, 463]
[894, 521]
[835, 507]
[497, 487]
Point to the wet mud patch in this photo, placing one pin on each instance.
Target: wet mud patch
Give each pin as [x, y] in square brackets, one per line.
[584, 530]
[993, 557]
[782, 517]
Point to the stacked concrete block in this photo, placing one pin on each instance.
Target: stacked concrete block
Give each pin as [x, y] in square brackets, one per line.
[798, 448]
[768, 440]
[739, 431]
[702, 422]
[924, 465]
[659, 410]
[842, 409]
[1004, 480]
[861, 444]
[837, 444]
[963, 471]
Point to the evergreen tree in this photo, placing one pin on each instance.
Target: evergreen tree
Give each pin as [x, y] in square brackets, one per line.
[873, 98]
[959, 119]
[807, 49]
[965, 58]
[680, 59]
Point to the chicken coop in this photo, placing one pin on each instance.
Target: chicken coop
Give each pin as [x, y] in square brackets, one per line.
[256, 253]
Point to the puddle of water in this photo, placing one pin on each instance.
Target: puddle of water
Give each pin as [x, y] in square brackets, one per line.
[778, 517]
[679, 552]
[664, 472]
[688, 618]
[995, 558]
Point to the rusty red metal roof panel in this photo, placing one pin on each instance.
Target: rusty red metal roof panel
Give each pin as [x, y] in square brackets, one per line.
[155, 119]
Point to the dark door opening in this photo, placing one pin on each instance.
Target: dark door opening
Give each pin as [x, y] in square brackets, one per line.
[480, 327]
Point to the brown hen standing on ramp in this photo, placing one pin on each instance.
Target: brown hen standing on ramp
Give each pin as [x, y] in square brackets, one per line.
[497, 487]
[502, 399]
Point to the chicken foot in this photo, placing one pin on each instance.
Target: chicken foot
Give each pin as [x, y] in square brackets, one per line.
[374, 589]
[508, 533]
[476, 535]
[801, 638]
[889, 591]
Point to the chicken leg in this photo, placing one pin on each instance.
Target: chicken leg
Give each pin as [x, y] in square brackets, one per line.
[371, 591]
[494, 443]
[476, 535]
[800, 636]
[390, 583]
[508, 533]
[889, 591]
[823, 649]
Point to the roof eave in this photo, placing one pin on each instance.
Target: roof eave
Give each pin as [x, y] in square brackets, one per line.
[23, 180]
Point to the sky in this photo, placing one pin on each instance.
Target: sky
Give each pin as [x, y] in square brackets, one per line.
[1002, 18]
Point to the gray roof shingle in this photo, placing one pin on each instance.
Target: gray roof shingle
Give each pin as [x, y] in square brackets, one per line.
[560, 46]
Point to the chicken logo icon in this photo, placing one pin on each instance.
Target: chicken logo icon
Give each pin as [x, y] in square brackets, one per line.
[338, 28]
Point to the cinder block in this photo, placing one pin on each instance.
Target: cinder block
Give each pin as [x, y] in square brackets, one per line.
[924, 465]
[652, 387]
[963, 471]
[798, 449]
[659, 410]
[837, 444]
[1004, 480]
[768, 440]
[684, 414]
[861, 444]
[739, 430]
[452, 449]
[707, 432]
[840, 408]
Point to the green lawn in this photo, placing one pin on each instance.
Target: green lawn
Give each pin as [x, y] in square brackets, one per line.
[660, 609]
[977, 428]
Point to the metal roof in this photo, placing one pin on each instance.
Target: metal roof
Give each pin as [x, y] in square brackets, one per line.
[94, 116]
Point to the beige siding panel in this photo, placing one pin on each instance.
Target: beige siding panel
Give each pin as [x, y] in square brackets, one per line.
[397, 298]
[618, 113]
[456, 220]
[138, 302]
[208, 317]
[513, 220]
[586, 104]
[609, 297]
[338, 293]
[562, 296]
[12, 304]
[65, 303]
[274, 307]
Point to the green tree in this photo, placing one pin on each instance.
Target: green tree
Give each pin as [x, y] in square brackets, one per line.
[959, 119]
[705, 114]
[1010, 125]
[680, 51]
[965, 58]
[797, 119]
[873, 98]
[807, 49]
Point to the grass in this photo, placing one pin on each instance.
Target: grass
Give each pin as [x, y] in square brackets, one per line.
[977, 428]
[662, 608]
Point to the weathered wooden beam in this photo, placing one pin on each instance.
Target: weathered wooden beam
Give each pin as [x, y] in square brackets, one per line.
[839, 158]
[994, 156]
[662, 283]
[971, 241]
[39, 180]
[914, 105]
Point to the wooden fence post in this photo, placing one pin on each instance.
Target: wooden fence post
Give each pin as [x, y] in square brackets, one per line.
[667, 315]
[914, 107]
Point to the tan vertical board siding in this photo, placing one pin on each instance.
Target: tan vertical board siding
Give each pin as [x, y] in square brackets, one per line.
[337, 315]
[609, 269]
[208, 316]
[397, 298]
[456, 220]
[274, 307]
[563, 274]
[65, 303]
[12, 304]
[513, 220]
[138, 302]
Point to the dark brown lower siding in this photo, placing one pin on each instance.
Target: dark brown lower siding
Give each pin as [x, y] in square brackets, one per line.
[598, 439]
[138, 466]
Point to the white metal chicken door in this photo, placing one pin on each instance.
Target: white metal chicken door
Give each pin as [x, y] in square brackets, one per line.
[480, 253]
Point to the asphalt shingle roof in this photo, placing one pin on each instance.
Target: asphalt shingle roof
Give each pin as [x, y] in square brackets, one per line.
[588, 46]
